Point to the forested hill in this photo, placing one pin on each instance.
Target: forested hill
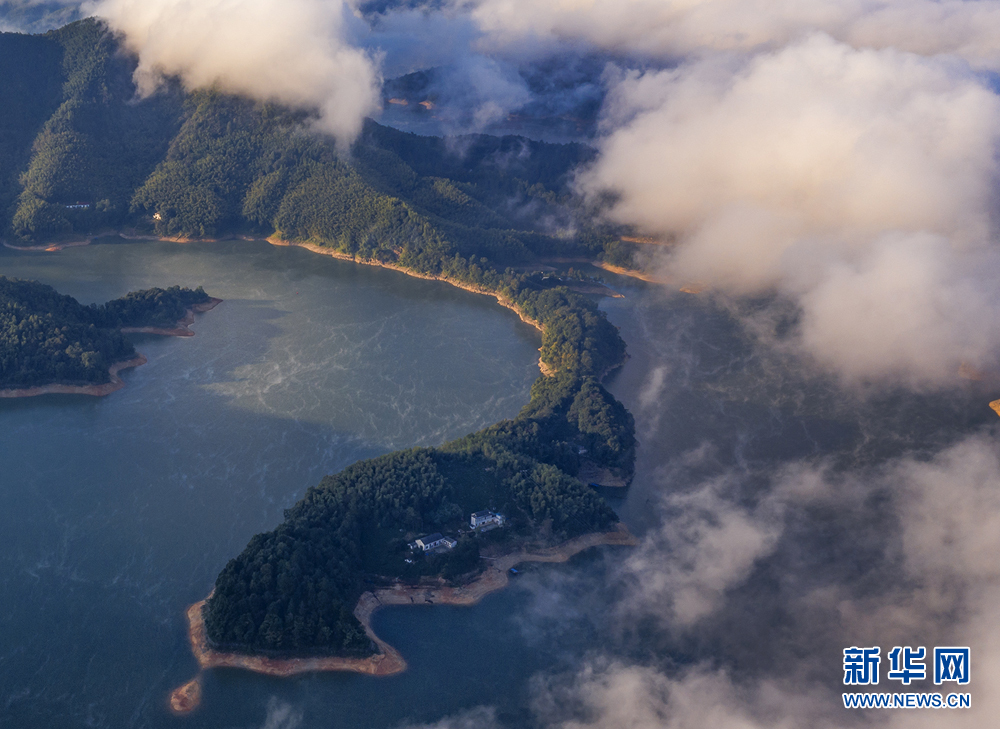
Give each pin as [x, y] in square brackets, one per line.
[46, 337]
[79, 153]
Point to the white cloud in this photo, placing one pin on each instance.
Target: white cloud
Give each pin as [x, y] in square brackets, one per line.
[707, 544]
[858, 183]
[678, 28]
[296, 52]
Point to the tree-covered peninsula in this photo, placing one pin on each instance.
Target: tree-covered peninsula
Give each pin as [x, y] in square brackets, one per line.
[47, 337]
[292, 590]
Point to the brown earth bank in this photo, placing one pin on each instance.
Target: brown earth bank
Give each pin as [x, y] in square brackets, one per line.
[322, 250]
[631, 273]
[116, 382]
[693, 287]
[388, 660]
[186, 698]
[107, 388]
[54, 246]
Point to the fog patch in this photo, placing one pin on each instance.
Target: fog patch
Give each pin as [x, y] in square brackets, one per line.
[295, 52]
[858, 184]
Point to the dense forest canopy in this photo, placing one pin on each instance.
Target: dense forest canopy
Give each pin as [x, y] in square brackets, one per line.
[84, 155]
[206, 164]
[46, 337]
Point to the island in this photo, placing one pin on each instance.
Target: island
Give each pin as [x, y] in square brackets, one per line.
[52, 344]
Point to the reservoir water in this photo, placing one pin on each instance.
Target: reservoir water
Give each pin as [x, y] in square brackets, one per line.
[119, 512]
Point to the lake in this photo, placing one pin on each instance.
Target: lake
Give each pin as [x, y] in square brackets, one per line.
[120, 511]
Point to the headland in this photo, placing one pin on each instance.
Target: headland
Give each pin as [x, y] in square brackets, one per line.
[387, 661]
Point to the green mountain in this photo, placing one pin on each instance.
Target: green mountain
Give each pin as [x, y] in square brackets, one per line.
[210, 164]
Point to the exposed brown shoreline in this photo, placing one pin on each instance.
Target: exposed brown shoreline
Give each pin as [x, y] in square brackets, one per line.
[388, 662]
[322, 250]
[107, 388]
[116, 382]
[49, 246]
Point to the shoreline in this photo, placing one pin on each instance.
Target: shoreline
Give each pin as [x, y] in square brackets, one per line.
[116, 383]
[389, 662]
[693, 287]
[107, 388]
[49, 247]
[647, 277]
[497, 575]
[324, 251]
[181, 328]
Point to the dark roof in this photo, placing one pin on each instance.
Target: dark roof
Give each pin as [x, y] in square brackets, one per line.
[479, 514]
[435, 537]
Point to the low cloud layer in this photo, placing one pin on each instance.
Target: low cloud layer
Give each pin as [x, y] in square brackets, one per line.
[860, 184]
[296, 52]
[934, 582]
[681, 28]
[707, 543]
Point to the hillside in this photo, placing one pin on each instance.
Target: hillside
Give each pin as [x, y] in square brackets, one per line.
[209, 164]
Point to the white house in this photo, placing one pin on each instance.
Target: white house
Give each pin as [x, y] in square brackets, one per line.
[433, 541]
[486, 519]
